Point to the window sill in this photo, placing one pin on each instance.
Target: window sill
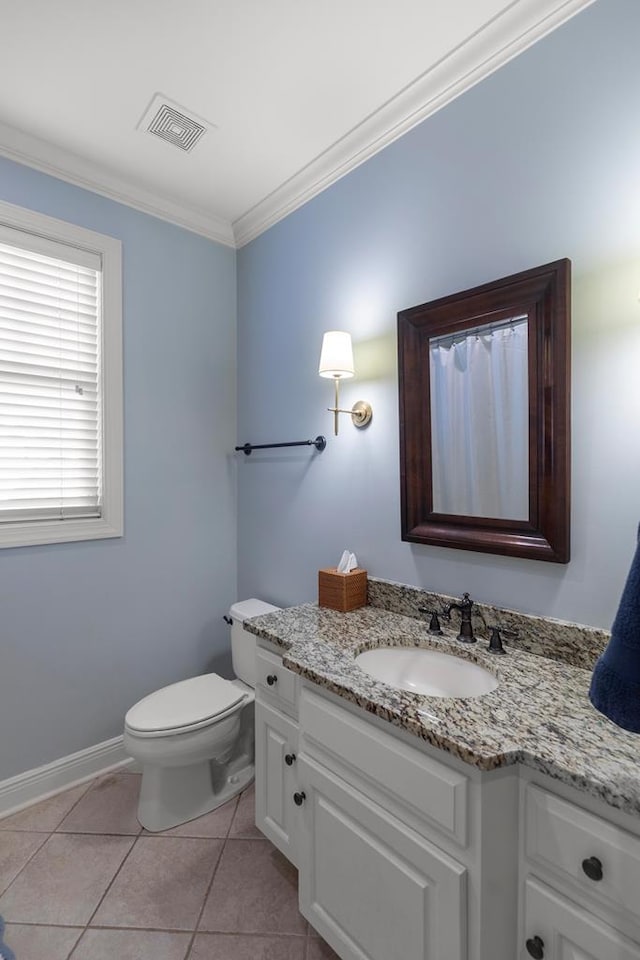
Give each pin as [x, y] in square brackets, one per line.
[26, 534]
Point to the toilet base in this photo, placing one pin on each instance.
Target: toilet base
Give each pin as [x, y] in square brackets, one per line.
[170, 796]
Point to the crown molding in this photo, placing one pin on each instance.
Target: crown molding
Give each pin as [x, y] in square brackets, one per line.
[505, 36]
[48, 158]
[501, 39]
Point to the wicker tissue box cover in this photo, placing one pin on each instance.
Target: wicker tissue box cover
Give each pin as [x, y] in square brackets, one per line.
[342, 591]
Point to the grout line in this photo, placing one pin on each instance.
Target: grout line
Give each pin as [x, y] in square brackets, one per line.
[24, 830]
[208, 891]
[207, 933]
[235, 814]
[25, 865]
[99, 833]
[204, 933]
[206, 896]
[95, 833]
[57, 926]
[109, 885]
[132, 929]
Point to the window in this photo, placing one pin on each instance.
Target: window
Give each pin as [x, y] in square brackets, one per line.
[60, 381]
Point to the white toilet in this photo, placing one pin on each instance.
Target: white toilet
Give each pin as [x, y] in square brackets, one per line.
[195, 738]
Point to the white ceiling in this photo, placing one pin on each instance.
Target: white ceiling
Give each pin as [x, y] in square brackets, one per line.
[299, 91]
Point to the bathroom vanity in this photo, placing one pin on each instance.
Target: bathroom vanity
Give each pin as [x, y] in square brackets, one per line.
[507, 826]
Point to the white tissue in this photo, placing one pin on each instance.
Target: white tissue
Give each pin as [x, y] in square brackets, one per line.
[348, 562]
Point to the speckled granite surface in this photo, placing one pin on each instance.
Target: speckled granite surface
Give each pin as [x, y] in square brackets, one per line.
[539, 715]
[557, 639]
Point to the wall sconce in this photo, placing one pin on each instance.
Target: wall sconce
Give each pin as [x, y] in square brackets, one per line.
[336, 363]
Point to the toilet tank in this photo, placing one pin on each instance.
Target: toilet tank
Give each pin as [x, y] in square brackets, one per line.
[243, 644]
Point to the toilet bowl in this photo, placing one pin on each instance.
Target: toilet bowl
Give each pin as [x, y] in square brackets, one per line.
[195, 738]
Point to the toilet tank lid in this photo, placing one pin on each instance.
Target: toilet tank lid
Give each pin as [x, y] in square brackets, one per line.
[244, 609]
[184, 703]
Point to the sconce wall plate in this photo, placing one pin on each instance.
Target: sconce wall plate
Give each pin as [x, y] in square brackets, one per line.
[361, 413]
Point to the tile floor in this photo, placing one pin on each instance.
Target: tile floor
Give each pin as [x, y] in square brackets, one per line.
[81, 880]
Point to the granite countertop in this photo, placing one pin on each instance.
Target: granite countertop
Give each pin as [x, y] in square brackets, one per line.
[539, 715]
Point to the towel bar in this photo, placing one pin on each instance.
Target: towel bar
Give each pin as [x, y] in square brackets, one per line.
[319, 443]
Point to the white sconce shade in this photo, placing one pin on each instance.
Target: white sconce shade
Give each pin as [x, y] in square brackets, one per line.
[336, 357]
[336, 363]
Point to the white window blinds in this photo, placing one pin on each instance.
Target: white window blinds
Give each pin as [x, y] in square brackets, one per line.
[50, 379]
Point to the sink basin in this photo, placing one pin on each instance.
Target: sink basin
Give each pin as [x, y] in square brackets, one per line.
[426, 671]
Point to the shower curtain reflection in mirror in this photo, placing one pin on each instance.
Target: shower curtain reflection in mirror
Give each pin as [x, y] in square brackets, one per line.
[480, 421]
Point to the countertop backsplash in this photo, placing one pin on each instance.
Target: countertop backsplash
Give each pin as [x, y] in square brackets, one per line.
[571, 643]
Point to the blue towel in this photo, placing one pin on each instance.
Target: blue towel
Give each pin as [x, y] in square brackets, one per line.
[5, 952]
[615, 685]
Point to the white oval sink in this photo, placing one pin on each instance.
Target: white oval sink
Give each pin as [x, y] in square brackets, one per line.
[426, 671]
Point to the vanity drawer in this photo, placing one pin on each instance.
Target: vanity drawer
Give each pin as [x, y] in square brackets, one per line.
[582, 847]
[277, 681]
[425, 788]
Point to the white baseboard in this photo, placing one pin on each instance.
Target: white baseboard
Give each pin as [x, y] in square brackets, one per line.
[44, 782]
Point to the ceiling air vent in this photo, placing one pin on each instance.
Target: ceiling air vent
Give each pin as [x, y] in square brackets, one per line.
[166, 120]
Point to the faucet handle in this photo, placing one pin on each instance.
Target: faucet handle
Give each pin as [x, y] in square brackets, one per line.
[495, 641]
[434, 623]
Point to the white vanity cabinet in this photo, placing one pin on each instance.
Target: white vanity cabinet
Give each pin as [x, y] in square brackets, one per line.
[406, 853]
[276, 724]
[580, 878]
[390, 842]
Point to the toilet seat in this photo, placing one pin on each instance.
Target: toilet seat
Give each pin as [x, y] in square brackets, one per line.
[185, 706]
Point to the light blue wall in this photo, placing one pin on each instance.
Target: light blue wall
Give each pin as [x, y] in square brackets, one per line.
[86, 629]
[540, 161]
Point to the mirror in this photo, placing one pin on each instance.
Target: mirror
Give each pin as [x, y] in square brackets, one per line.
[484, 379]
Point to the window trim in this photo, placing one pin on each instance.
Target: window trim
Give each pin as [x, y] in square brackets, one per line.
[110, 524]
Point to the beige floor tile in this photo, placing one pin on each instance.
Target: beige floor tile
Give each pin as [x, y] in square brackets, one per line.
[131, 945]
[254, 891]
[244, 822]
[41, 943]
[45, 816]
[317, 949]
[233, 946]
[16, 849]
[214, 824]
[162, 885]
[65, 880]
[108, 807]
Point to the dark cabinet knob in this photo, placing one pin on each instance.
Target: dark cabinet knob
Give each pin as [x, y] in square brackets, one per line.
[289, 759]
[593, 868]
[535, 948]
[299, 798]
[271, 679]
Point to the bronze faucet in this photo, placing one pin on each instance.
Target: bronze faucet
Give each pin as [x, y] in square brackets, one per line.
[466, 627]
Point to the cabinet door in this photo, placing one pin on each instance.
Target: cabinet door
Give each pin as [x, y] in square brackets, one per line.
[557, 929]
[372, 887]
[276, 749]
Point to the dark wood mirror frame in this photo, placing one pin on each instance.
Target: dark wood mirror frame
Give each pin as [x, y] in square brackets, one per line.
[543, 294]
